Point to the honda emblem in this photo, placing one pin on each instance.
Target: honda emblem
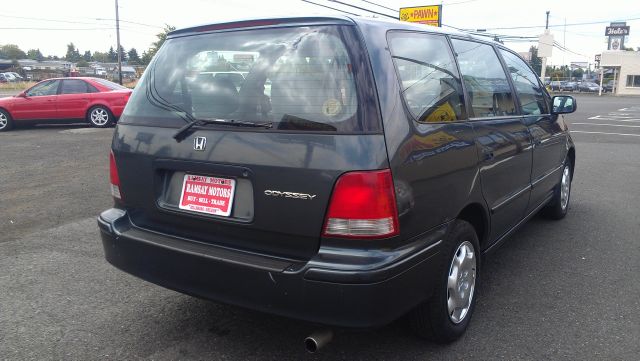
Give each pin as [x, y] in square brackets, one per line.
[199, 143]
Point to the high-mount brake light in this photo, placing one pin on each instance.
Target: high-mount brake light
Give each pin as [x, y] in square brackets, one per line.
[363, 205]
[114, 178]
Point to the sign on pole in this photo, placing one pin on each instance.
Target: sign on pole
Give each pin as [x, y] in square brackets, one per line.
[428, 15]
[617, 31]
[545, 44]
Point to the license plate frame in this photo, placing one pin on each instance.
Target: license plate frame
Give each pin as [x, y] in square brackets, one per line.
[210, 195]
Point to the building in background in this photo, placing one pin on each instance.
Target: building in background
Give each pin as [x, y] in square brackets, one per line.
[626, 70]
[625, 65]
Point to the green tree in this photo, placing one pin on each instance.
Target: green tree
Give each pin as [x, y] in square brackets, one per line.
[123, 54]
[12, 52]
[162, 36]
[146, 58]
[73, 54]
[577, 73]
[87, 56]
[113, 56]
[35, 54]
[133, 56]
[101, 57]
[536, 61]
[82, 63]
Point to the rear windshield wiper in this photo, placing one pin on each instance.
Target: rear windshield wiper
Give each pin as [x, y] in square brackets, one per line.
[230, 122]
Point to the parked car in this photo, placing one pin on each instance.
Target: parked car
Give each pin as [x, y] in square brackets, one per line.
[586, 86]
[608, 86]
[17, 76]
[98, 101]
[569, 86]
[3, 78]
[356, 192]
[556, 85]
[10, 77]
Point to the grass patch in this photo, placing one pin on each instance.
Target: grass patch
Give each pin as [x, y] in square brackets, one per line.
[18, 86]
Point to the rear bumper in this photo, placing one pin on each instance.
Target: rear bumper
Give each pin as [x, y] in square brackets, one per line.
[339, 294]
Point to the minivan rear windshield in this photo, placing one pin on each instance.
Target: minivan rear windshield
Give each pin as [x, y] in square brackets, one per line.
[297, 78]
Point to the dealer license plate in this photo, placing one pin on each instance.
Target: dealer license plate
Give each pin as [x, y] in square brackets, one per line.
[210, 195]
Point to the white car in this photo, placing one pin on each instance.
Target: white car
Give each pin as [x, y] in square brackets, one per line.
[17, 76]
[10, 77]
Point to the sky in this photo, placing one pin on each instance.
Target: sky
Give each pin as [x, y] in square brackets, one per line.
[90, 25]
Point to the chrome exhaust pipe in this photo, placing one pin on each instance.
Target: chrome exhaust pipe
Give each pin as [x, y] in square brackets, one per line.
[318, 340]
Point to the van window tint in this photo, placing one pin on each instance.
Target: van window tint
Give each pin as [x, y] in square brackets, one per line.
[299, 78]
[530, 93]
[429, 80]
[487, 85]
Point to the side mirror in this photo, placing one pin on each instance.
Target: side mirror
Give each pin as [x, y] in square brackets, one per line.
[564, 104]
[22, 94]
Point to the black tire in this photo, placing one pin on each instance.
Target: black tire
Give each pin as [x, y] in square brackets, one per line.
[6, 123]
[557, 208]
[100, 117]
[432, 319]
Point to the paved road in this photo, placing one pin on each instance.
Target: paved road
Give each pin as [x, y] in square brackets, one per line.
[556, 290]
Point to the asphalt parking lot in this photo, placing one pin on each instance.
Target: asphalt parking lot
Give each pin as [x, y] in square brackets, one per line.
[556, 290]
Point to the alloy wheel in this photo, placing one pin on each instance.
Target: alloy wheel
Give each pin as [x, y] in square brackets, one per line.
[461, 282]
[99, 116]
[3, 120]
[565, 187]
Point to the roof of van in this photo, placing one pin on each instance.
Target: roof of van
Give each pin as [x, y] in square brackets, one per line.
[334, 18]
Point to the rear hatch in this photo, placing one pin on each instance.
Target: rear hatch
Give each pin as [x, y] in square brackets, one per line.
[280, 113]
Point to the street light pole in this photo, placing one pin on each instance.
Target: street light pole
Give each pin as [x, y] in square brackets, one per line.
[118, 49]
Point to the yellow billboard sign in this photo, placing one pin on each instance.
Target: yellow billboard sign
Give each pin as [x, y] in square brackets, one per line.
[429, 15]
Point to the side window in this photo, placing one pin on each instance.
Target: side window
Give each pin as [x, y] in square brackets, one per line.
[532, 98]
[74, 86]
[487, 85]
[430, 83]
[47, 88]
[91, 88]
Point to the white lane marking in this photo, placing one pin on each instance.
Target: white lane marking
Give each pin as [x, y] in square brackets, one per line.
[82, 130]
[616, 120]
[611, 117]
[631, 135]
[608, 125]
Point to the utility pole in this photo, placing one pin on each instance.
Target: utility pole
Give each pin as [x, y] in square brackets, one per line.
[547, 25]
[118, 47]
[543, 71]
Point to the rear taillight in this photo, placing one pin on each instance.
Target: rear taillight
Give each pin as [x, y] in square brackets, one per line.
[113, 176]
[363, 205]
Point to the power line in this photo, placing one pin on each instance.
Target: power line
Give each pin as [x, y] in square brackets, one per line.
[62, 29]
[363, 9]
[559, 25]
[133, 22]
[459, 2]
[329, 7]
[76, 22]
[382, 6]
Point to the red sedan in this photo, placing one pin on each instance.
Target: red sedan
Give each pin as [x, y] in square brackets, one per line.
[98, 101]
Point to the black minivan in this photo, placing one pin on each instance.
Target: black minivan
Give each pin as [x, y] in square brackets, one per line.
[355, 174]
